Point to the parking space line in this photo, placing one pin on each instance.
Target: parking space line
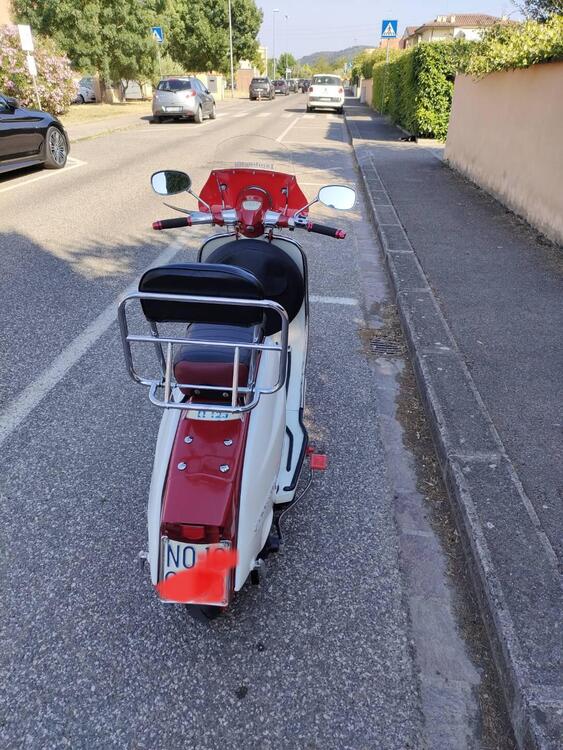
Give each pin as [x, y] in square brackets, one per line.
[35, 392]
[348, 301]
[286, 131]
[71, 164]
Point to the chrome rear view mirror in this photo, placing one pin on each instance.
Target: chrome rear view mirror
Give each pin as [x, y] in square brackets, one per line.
[170, 182]
[338, 196]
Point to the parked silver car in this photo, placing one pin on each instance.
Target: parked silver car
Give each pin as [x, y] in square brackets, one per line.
[182, 96]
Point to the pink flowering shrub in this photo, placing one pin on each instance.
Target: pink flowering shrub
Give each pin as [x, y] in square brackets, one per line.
[54, 75]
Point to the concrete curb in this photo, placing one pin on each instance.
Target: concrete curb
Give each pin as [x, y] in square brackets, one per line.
[512, 564]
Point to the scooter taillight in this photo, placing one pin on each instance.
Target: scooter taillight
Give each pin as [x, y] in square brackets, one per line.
[182, 532]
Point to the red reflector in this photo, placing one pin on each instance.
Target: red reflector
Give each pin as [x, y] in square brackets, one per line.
[340, 91]
[183, 532]
[319, 461]
[190, 93]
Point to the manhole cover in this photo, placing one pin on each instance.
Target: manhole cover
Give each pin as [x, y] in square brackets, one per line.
[385, 348]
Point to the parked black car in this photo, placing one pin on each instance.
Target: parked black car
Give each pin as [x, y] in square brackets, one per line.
[261, 88]
[29, 137]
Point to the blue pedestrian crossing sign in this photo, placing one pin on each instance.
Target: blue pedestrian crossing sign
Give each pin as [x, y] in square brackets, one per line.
[389, 29]
[157, 34]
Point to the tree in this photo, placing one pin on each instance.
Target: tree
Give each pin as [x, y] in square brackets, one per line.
[112, 38]
[541, 10]
[285, 61]
[198, 33]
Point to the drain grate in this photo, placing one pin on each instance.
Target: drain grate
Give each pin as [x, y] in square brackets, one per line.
[385, 348]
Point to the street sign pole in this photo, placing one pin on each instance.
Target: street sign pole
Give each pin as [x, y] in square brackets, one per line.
[388, 31]
[26, 41]
[231, 50]
[158, 36]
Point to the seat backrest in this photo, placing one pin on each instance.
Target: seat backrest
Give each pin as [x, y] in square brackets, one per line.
[202, 279]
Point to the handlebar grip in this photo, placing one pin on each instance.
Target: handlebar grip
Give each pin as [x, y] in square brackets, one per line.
[338, 234]
[182, 221]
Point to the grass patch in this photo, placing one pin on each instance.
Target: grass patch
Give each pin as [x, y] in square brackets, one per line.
[81, 113]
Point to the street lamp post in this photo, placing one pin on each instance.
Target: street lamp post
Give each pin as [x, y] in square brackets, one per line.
[231, 51]
[276, 10]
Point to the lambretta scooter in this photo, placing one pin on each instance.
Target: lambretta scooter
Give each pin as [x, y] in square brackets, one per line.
[231, 381]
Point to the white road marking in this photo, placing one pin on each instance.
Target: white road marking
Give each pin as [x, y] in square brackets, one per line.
[309, 117]
[286, 131]
[264, 114]
[241, 114]
[35, 392]
[349, 301]
[71, 164]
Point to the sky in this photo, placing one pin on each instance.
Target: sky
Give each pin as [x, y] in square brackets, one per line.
[305, 26]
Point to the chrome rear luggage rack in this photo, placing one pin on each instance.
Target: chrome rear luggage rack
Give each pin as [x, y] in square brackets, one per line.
[172, 394]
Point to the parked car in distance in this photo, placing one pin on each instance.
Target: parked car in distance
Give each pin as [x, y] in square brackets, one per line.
[281, 87]
[326, 92]
[29, 137]
[304, 84]
[86, 91]
[261, 88]
[180, 97]
[293, 87]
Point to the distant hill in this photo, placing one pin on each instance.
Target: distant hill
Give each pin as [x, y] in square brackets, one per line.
[349, 53]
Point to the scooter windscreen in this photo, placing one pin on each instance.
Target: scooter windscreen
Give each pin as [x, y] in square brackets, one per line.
[253, 173]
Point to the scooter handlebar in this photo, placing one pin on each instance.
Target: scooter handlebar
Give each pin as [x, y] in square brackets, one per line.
[181, 221]
[338, 234]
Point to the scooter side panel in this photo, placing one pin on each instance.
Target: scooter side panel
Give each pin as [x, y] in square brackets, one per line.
[259, 476]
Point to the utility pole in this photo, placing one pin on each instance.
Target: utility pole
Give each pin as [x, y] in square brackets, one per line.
[276, 10]
[231, 49]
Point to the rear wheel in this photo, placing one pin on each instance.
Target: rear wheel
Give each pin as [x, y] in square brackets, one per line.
[80, 99]
[203, 612]
[157, 118]
[56, 149]
[340, 111]
[309, 109]
[198, 117]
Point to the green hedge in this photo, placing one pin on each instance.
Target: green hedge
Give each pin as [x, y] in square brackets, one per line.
[415, 89]
[509, 46]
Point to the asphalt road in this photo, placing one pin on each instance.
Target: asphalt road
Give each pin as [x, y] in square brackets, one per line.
[320, 654]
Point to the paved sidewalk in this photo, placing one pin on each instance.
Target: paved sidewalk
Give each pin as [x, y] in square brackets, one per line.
[480, 297]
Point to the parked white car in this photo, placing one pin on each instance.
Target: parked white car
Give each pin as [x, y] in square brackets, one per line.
[326, 92]
[86, 91]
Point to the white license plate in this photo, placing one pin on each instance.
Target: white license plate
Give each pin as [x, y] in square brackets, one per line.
[172, 109]
[325, 98]
[212, 416]
[179, 556]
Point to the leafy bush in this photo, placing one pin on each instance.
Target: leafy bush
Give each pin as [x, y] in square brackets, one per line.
[416, 88]
[509, 46]
[54, 75]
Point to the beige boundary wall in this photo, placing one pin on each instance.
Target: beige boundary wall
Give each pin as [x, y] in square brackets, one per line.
[366, 91]
[506, 134]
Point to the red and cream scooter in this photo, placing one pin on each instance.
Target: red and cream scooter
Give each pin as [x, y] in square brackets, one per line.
[230, 333]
